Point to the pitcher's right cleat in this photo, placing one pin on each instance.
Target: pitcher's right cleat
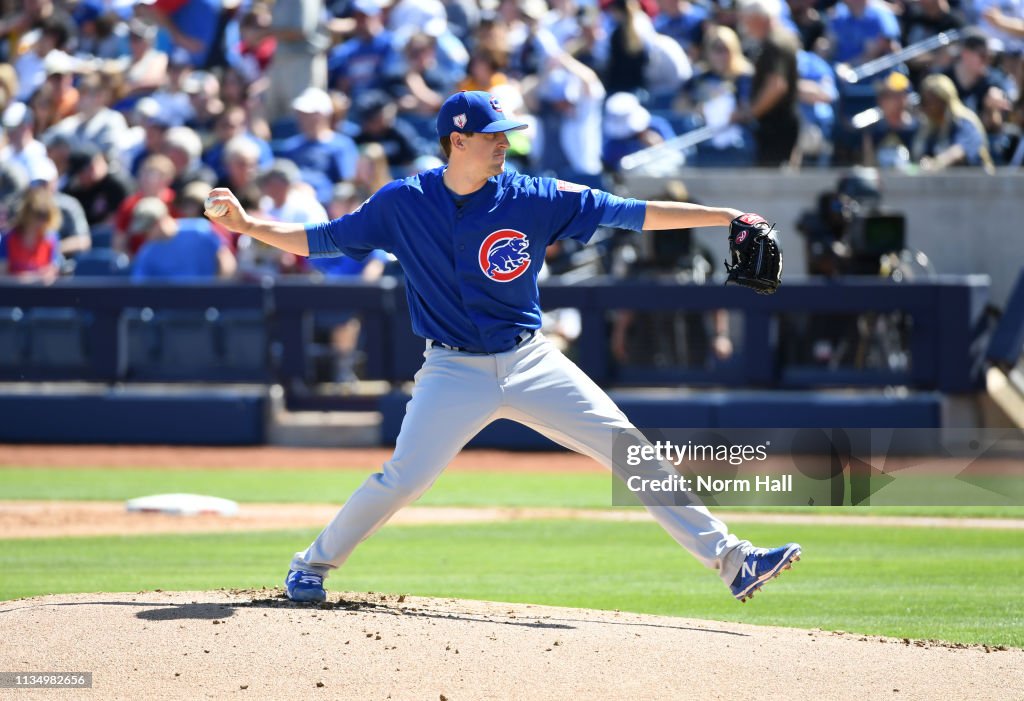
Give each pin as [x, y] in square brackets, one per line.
[760, 566]
[304, 586]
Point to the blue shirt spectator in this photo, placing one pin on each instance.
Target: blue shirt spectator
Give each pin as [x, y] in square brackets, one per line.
[323, 156]
[177, 249]
[192, 24]
[858, 27]
[359, 64]
[685, 23]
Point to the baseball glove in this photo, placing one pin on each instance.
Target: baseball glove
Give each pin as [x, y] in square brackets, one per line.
[756, 257]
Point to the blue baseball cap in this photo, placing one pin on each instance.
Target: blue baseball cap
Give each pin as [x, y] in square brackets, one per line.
[473, 111]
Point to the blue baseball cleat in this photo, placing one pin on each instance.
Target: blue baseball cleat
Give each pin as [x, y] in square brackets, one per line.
[760, 566]
[304, 586]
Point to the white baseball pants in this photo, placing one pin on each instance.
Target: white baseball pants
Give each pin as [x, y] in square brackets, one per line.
[455, 396]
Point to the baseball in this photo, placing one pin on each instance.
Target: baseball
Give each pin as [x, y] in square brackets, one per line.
[214, 208]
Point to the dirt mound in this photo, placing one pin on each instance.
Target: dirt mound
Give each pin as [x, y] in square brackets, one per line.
[255, 644]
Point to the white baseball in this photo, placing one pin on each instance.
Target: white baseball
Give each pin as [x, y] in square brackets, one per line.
[215, 208]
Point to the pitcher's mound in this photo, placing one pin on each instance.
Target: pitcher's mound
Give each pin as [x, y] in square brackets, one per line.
[255, 644]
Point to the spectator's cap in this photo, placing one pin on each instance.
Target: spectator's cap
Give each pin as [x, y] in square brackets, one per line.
[764, 8]
[426, 162]
[58, 63]
[147, 212]
[179, 58]
[624, 116]
[195, 192]
[151, 114]
[281, 168]
[16, 114]
[533, 9]
[372, 102]
[142, 30]
[893, 83]
[474, 111]
[41, 170]
[314, 101]
[194, 82]
[974, 39]
[370, 8]
[82, 154]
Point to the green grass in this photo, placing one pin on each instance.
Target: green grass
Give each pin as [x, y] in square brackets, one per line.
[950, 584]
[579, 490]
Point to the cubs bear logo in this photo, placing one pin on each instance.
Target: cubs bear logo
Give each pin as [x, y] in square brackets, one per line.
[495, 105]
[460, 120]
[504, 255]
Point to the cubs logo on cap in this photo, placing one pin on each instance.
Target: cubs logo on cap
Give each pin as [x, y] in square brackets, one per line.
[504, 255]
[474, 111]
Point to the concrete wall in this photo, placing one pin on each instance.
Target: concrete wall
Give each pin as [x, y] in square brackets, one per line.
[966, 222]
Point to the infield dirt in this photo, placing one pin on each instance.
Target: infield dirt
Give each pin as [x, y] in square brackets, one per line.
[254, 644]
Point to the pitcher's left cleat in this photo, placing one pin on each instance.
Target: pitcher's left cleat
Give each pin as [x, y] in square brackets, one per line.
[760, 566]
[304, 586]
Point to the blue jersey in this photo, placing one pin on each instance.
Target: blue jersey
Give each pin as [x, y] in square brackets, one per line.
[471, 262]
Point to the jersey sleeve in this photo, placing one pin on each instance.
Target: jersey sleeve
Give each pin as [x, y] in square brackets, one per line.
[580, 210]
[356, 234]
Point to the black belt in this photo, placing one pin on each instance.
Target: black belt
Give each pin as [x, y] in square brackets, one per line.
[521, 338]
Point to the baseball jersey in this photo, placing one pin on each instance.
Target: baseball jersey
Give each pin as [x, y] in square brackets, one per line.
[471, 262]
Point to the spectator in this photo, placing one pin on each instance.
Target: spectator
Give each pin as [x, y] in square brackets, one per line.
[193, 25]
[424, 86]
[177, 249]
[54, 32]
[155, 178]
[323, 155]
[299, 61]
[683, 21]
[372, 170]
[1012, 146]
[628, 57]
[573, 97]
[97, 188]
[183, 146]
[241, 160]
[175, 106]
[60, 73]
[925, 18]
[190, 203]
[8, 85]
[1003, 20]
[94, 121]
[721, 87]
[359, 64]
[256, 50]
[485, 70]
[861, 30]
[380, 124]
[562, 21]
[231, 124]
[22, 150]
[44, 108]
[203, 90]
[976, 83]
[30, 251]
[145, 67]
[628, 128]
[817, 92]
[73, 231]
[950, 134]
[236, 92]
[284, 198]
[810, 26]
[774, 104]
[155, 123]
[887, 143]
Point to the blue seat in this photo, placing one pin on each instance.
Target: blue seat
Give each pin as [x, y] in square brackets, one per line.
[244, 339]
[102, 237]
[13, 338]
[102, 262]
[57, 338]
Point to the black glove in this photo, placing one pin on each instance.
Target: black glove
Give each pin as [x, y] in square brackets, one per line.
[756, 257]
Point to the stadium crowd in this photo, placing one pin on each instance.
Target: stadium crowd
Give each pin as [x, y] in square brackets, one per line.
[119, 116]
